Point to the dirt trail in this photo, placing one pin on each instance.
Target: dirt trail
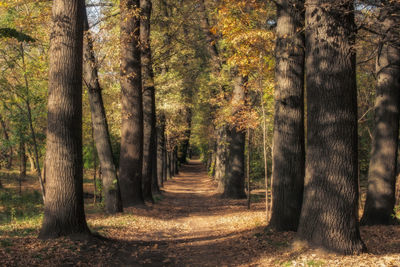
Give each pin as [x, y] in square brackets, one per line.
[192, 225]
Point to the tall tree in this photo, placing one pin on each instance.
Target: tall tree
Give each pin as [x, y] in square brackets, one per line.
[111, 191]
[131, 157]
[382, 167]
[288, 156]
[235, 173]
[220, 148]
[149, 106]
[63, 207]
[330, 205]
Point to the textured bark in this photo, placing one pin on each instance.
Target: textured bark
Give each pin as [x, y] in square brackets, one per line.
[288, 156]
[130, 169]
[329, 214]
[160, 154]
[221, 158]
[211, 47]
[382, 167]
[176, 161]
[63, 208]
[149, 106]
[169, 165]
[111, 191]
[235, 174]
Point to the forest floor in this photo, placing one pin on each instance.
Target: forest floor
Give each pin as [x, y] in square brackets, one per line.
[189, 225]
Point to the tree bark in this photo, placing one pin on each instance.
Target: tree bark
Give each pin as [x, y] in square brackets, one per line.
[221, 158]
[288, 155]
[149, 107]
[235, 175]
[64, 213]
[330, 205]
[131, 157]
[160, 154]
[111, 190]
[382, 166]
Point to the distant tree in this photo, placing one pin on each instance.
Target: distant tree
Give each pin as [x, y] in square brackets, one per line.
[131, 157]
[63, 207]
[288, 156]
[330, 205]
[379, 205]
[111, 190]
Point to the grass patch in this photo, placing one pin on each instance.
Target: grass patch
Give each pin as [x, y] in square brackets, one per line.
[15, 207]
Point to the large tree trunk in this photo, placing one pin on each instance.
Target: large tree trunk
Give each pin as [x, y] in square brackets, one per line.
[63, 207]
[382, 166]
[330, 205]
[130, 169]
[235, 175]
[111, 191]
[288, 157]
[149, 106]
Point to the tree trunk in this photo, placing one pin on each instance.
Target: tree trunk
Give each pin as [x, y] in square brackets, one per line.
[382, 166]
[149, 106]
[235, 175]
[160, 154]
[330, 205]
[111, 190]
[63, 208]
[131, 156]
[288, 159]
[221, 159]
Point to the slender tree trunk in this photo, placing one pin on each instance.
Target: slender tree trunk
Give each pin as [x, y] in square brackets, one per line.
[160, 154]
[131, 158]
[111, 190]
[235, 174]
[63, 207]
[30, 121]
[288, 159]
[382, 167]
[149, 109]
[330, 205]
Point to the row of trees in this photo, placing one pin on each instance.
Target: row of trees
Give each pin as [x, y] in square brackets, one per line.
[215, 71]
[319, 197]
[70, 45]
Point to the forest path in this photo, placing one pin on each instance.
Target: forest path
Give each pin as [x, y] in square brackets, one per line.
[192, 226]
